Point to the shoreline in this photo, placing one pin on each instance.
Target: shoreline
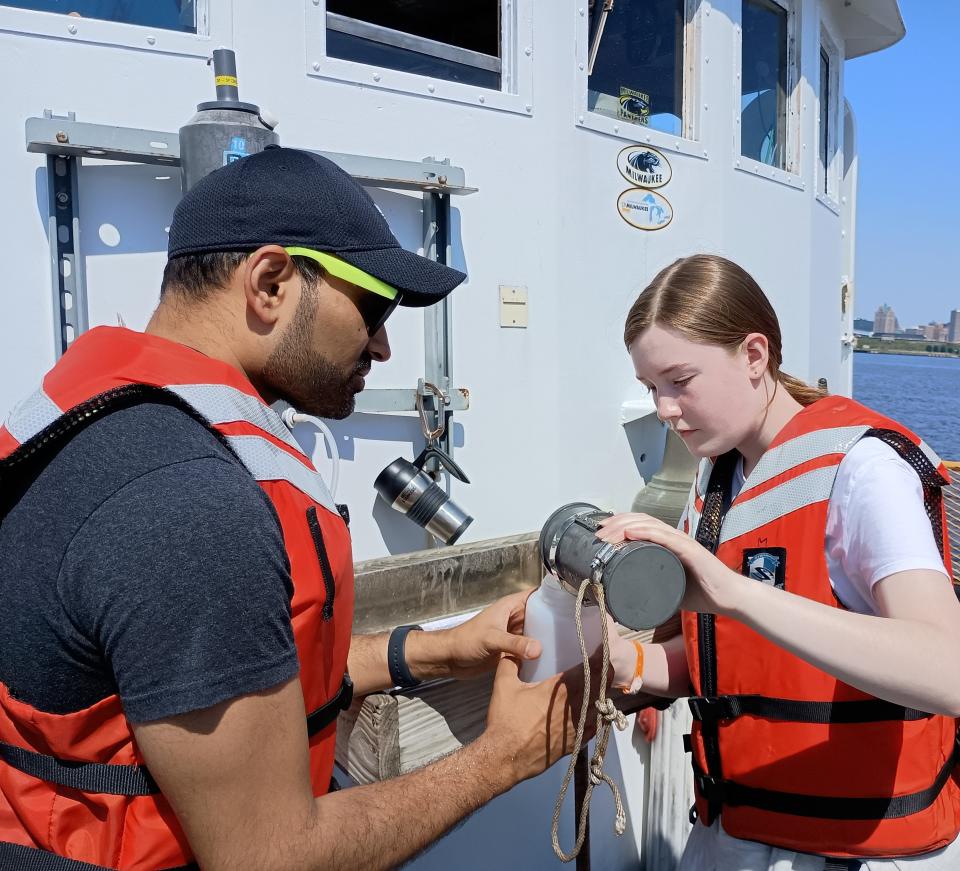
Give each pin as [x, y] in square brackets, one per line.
[905, 353]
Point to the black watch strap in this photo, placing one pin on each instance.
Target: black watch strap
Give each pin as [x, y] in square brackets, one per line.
[397, 661]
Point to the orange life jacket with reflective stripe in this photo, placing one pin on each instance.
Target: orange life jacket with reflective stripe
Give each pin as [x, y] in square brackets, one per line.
[785, 753]
[73, 786]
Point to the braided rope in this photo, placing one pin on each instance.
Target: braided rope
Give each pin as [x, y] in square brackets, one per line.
[607, 715]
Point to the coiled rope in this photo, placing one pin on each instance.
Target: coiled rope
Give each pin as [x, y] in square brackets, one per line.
[607, 715]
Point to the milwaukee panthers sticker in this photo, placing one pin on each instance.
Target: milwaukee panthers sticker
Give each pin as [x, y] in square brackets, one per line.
[766, 564]
[634, 106]
[644, 209]
[644, 166]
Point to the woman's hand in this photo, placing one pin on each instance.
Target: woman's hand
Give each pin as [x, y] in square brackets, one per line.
[711, 586]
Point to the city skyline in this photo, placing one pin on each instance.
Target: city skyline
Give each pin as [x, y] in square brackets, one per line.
[886, 322]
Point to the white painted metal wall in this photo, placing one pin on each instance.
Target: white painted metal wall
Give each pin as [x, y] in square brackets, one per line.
[546, 399]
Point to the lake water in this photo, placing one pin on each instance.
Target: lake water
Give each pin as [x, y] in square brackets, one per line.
[923, 393]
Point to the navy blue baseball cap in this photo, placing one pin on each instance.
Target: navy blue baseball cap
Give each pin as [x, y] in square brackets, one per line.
[305, 203]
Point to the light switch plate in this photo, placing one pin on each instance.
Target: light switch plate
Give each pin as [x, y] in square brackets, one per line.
[513, 306]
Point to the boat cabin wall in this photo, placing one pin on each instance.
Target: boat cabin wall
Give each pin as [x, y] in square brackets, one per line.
[548, 217]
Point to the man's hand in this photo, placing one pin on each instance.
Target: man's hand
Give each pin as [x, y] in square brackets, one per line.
[237, 775]
[476, 646]
[533, 725]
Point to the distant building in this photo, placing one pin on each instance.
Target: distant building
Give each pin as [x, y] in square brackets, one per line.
[954, 331]
[934, 332]
[862, 326]
[914, 333]
[885, 321]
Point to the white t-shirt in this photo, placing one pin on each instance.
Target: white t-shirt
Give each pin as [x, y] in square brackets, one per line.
[866, 541]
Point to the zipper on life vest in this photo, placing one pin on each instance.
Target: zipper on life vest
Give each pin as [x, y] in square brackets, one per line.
[330, 587]
[710, 729]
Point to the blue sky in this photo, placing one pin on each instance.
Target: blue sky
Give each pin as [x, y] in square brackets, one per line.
[908, 128]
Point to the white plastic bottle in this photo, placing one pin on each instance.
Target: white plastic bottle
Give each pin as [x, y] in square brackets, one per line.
[551, 619]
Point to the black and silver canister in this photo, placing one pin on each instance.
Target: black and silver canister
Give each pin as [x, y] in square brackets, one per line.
[643, 583]
[225, 129]
[406, 488]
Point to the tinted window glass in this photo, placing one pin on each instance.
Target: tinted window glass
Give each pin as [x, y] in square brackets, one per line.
[637, 74]
[763, 102]
[166, 14]
[455, 41]
[471, 24]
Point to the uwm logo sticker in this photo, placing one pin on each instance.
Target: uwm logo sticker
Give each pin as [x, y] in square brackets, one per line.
[644, 166]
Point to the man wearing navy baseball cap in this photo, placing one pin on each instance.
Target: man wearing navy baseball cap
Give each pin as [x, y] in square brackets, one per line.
[182, 627]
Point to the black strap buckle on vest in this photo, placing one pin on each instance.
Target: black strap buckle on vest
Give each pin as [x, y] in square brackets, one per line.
[327, 713]
[710, 709]
[710, 788]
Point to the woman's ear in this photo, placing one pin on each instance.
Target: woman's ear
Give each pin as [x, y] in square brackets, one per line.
[756, 350]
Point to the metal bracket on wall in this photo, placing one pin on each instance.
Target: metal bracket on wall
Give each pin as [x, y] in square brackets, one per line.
[63, 231]
[438, 319]
[65, 140]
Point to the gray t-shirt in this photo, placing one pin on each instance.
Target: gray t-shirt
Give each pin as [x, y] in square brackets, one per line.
[144, 560]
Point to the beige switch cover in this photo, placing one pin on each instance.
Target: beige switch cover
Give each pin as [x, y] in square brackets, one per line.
[513, 306]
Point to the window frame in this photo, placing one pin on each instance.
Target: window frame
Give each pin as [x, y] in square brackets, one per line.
[831, 47]
[211, 29]
[792, 174]
[516, 62]
[688, 141]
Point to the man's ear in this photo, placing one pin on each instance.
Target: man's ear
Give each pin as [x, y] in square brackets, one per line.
[756, 349]
[265, 276]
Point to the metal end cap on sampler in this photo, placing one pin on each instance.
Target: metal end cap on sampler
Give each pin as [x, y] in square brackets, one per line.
[460, 530]
[227, 105]
[643, 586]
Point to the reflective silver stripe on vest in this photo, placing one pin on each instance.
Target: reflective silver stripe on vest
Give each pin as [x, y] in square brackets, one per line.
[802, 449]
[806, 489]
[31, 415]
[930, 455]
[703, 476]
[267, 462]
[219, 403]
[693, 516]
[699, 488]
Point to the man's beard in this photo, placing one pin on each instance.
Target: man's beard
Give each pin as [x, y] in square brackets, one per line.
[303, 377]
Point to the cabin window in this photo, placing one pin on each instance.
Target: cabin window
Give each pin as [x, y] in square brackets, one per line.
[764, 91]
[635, 62]
[830, 133]
[458, 42]
[179, 15]
[826, 132]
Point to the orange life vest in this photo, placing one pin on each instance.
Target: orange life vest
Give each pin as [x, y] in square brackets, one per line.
[73, 788]
[785, 753]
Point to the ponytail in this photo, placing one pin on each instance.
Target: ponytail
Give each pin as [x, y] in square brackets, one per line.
[804, 393]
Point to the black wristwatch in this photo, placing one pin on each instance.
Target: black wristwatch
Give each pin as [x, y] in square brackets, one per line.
[396, 660]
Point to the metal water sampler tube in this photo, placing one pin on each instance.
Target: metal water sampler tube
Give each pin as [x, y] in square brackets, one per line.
[225, 129]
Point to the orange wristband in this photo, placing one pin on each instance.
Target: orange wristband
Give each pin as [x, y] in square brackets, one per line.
[639, 669]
